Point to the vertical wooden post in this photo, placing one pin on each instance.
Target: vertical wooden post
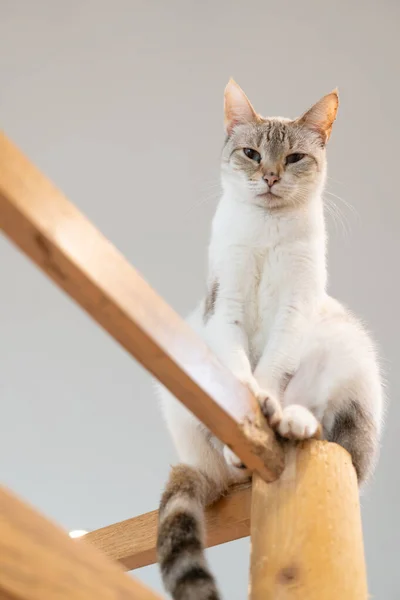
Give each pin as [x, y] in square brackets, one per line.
[306, 535]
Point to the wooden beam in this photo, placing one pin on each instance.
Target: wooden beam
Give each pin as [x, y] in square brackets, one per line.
[306, 536]
[62, 242]
[38, 561]
[133, 542]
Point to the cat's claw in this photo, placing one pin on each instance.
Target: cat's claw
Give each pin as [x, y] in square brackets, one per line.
[298, 423]
[270, 407]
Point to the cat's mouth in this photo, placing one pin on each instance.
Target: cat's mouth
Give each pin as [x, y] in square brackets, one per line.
[269, 195]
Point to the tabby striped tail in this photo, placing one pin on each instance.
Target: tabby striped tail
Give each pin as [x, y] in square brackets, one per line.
[180, 542]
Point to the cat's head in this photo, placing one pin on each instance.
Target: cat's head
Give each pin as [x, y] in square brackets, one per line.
[274, 162]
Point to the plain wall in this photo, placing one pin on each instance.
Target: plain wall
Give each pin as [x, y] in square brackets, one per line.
[120, 104]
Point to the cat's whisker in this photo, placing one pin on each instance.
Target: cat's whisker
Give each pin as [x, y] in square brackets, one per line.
[335, 180]
[344, 201]
[211, 184]
[332, 212]
[200, 202]
[337, 216]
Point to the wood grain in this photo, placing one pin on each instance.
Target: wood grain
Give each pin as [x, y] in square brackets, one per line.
[38, 561]
[62, 242]
[306, 536]
[133, 542]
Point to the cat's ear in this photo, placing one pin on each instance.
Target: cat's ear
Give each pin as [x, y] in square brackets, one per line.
[322, 115]
[237, 107]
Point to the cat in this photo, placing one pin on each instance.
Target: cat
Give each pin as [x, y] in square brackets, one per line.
[268, 318]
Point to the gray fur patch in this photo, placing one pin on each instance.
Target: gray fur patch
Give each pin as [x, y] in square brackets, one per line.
[211, 299]
[354, 428]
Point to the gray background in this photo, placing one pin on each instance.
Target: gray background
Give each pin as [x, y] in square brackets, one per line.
[120, 103]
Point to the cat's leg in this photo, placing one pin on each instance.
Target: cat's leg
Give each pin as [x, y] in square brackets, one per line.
[283, 351]
[226, 337]
[338, 384]
[195, 445]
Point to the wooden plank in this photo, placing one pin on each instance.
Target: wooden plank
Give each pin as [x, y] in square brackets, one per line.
[306, 536]
[62, 242]
[38, 561]
[133, 542]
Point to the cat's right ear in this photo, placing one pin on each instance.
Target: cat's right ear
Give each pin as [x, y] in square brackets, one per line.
[237, 107]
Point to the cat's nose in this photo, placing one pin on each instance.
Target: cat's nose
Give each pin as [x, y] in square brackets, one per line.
[271, 178]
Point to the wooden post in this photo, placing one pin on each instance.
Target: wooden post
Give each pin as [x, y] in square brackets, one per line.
[306, 536]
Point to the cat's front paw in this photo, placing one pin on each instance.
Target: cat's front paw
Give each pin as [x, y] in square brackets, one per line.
[269, 404]
[298, 423]
[270, 407]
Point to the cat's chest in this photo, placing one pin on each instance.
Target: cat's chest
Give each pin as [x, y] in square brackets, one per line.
[267, 254]
[265, 278]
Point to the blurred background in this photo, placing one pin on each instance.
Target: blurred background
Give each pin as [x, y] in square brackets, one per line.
[120, 104]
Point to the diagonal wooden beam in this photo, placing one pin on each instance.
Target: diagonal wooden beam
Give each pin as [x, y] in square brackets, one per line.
[38, 561]
[62, 242]
[133, 542]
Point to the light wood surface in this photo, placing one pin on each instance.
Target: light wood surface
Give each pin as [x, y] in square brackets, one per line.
[62, 242]
[306, 536]
[38, 561]
[133, 542]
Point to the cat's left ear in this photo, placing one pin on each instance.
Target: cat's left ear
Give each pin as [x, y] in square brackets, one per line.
[237, 107]
[322, 115]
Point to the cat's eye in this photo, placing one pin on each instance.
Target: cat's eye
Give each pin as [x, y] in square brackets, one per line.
[294, 158]
[253, 154]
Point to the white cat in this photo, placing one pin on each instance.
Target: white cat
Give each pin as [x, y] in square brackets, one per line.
[269, 319]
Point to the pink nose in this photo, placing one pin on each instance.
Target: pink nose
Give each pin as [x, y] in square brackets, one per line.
[271, 178]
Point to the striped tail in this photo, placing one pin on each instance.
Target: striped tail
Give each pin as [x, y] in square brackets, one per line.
[180, 543]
